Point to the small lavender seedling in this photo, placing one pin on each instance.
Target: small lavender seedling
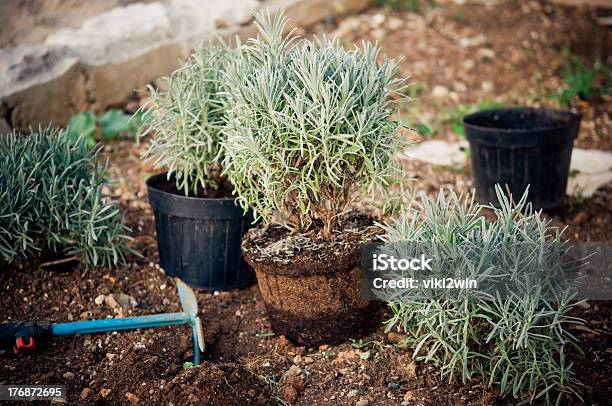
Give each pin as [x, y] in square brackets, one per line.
[51, 200]
[517, 342]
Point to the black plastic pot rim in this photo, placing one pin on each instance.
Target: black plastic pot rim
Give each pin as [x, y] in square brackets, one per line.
[166, 177]
[520, 138]
[465, 121]
[222, 208]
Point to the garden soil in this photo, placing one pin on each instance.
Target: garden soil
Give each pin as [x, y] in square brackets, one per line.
[245, 363]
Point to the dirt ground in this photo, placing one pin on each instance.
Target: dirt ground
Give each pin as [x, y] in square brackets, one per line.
[245, 364]
[460, 57]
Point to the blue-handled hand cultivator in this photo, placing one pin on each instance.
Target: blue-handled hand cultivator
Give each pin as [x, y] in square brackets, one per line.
[26, 335]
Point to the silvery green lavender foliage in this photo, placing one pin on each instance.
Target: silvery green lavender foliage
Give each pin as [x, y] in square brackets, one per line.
[516, 342]
[51, 200]
[308, 125]
[187, 118]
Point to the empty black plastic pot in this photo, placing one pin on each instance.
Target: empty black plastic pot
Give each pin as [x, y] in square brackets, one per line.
[199, 238]
[522, 147]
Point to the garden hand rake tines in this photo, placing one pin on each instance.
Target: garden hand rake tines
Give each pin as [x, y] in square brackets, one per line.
[24, 335]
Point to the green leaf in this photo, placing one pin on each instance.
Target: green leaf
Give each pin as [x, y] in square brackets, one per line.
[457, 128]
[328, 355]
[83, 124]
[112, 123]
[426, 130]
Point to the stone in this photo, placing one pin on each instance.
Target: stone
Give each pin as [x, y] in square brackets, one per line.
[110, 36]
[469, 42]
[487, 86]
[294, 370]
[362, 402]
[460, 87]
[68, 376]
[99, 299]
[395, 23]
[377, 20]
[101, 61]
[352, 393]
[591, 161]
[346, 27]
[586, 184]
[346, 355]
[589, 170]
[486, 54]
[120, 300]
[468, 64]
[140, 346]
[440, 91]
[378, 34]
[133, 399]
[85, 393]
[125, 301]
[304, 13]
[439, 152]
[111, 302]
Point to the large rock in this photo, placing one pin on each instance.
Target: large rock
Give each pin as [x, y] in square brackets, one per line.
[438, 152]
[589, 169]
[101, 62]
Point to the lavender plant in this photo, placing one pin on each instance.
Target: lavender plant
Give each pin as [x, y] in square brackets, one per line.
[51, 200]
[517, 341]
[308, 125]
[186, 120]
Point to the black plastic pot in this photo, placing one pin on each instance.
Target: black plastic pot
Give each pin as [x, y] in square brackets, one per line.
[199, 239]
[522, 147]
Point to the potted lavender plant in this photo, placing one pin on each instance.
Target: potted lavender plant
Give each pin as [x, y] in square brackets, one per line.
[199, 226]
[309, 128]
